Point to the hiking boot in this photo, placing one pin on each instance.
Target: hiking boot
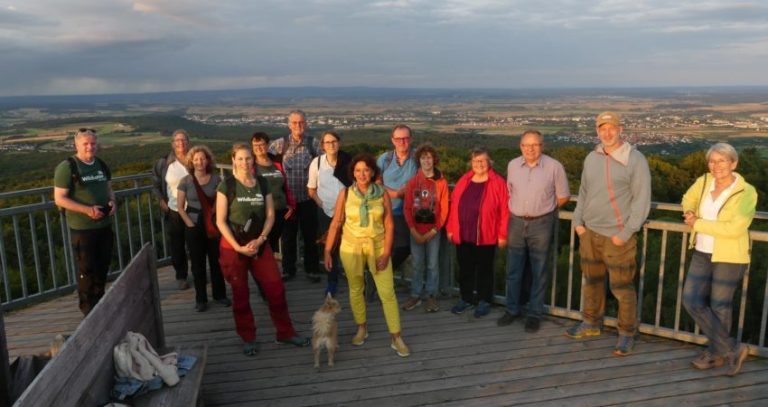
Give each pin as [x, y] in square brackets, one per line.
[582, 330]
[432, 305]
[288, 277]
[708, 361]
[482, 309]
[412, 303]
[460, 307]
[736, 359]
[298, 341]
[201, 306]
[532, 325]
[399, 346]
[507, 319]
[360, 336]
[624, 345]
[313, 278]
[183, 285]
[251, 348]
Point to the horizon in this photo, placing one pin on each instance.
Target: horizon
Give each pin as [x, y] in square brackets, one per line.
[89, 47]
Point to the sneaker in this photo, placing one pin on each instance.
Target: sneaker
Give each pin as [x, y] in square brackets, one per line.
[251, 348]
[183, 285]
[399, 346]
[624, 345]
[298, 341]
[313, 277]
[708, 361]
[360, 337]
[432, 305]
[224, 301]
[201, 306]
[582, 330]
[482, 309]
[507, 319]
[532, 325]
[736, 359]
[412, 303]
[460, 307]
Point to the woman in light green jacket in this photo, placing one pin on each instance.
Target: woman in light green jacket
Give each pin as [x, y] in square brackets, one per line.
[719, 208]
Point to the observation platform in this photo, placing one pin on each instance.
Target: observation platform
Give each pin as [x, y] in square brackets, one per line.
[455, 360]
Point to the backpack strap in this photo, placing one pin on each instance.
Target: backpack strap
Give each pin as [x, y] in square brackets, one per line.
[231, 185]
[74, 172]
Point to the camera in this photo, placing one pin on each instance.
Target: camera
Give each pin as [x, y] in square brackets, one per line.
[105, 209]
[424, 215]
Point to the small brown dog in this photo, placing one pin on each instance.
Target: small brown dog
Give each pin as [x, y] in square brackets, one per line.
[325, 329]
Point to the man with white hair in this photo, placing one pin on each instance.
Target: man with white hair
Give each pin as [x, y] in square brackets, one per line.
[82, 188]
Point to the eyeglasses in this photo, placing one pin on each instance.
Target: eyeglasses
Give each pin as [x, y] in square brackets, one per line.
[719, 162]
[331, 142]
[259, 145]
[401, 139]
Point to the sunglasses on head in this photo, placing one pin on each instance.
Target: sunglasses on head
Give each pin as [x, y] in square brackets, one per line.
[86, 130]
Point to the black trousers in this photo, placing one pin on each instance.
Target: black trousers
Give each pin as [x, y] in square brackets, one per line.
[176, 230]
[93, 253]
[305, 219]
[476, 271]
[277, 230]
[200, 247]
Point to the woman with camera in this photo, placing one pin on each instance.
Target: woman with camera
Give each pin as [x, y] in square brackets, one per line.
[245, 214]
[426, 209]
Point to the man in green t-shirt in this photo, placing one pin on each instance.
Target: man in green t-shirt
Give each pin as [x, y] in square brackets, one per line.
[82, 188]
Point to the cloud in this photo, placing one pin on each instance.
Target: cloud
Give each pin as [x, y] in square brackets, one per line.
[133, 45]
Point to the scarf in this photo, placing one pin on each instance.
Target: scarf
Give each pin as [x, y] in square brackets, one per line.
[374, 191]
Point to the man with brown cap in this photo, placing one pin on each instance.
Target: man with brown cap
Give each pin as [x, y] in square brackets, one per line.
[614, 201]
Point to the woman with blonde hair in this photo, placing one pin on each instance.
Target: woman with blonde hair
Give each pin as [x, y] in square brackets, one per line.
[245, 214]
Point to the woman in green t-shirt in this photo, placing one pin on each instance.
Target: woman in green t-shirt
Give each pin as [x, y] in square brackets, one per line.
[245, 214]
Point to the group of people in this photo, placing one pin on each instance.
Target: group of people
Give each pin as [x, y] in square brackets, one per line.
[373, 213]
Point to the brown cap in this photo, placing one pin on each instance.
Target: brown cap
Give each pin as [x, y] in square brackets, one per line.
[608, 117]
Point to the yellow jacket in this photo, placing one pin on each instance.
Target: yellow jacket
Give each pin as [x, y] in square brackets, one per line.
[731, 229]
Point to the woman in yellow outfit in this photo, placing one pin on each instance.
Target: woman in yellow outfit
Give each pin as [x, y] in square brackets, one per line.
[363, 216]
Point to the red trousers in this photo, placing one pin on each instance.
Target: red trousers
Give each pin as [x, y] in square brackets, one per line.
[235, 268]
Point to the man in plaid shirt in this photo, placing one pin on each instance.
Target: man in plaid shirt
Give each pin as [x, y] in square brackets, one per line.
[296, 151]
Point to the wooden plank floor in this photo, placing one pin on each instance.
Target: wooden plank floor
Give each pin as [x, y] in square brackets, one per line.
[455, 361]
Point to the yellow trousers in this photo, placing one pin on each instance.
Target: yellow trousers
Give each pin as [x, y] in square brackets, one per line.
[355, 254]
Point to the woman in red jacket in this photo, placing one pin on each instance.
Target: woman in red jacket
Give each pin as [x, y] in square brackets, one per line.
[477, 224]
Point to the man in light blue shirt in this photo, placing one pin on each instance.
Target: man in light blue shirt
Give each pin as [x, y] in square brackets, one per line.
[397, 168]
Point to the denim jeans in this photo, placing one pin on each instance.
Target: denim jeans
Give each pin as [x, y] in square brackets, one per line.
[425, 256]
[708, 298]
[323, 223]
[528, 240]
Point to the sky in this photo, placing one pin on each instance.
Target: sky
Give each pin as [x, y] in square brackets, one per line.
[54, 47]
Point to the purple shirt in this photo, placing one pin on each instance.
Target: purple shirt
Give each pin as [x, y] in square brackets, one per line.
[469, 210]
[533, 191]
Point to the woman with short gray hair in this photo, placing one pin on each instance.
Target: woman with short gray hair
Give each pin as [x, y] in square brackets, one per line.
[719, 208]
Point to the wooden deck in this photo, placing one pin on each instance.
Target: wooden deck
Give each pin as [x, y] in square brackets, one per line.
[455, 361]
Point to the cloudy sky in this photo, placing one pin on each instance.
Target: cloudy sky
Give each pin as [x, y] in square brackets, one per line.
[108, 46]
